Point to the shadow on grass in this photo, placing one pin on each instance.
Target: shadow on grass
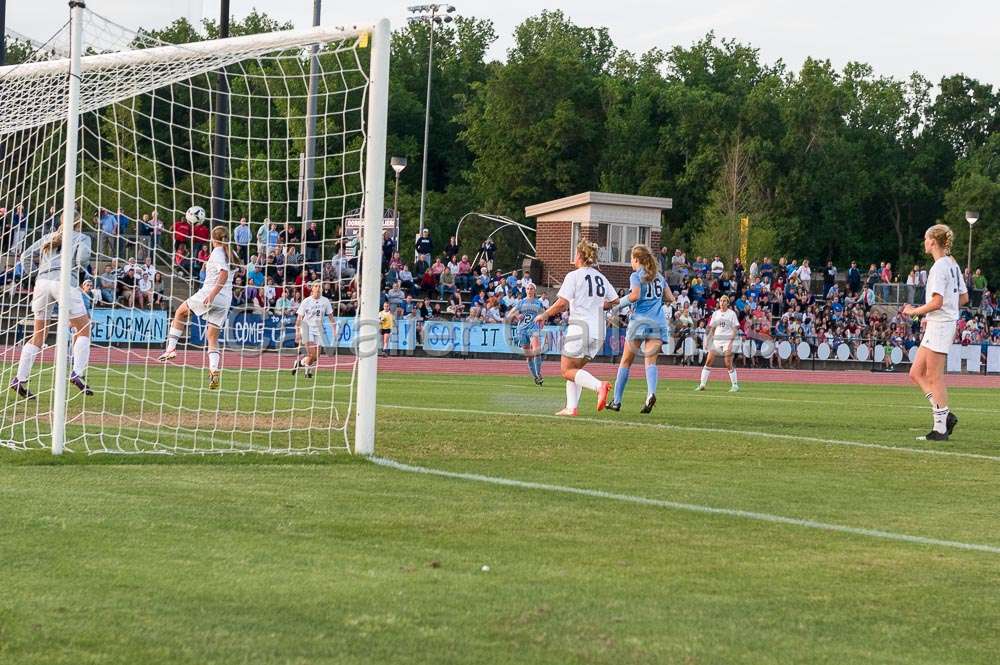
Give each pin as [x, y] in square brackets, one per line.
[9, 458]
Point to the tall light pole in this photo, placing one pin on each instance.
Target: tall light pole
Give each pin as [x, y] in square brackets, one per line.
[429, 14]
[971, 216]
[398, 164]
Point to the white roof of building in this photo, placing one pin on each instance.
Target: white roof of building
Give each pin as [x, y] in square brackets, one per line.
[598, 198]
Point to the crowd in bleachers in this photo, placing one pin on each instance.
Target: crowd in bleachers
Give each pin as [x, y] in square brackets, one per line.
[781, 300]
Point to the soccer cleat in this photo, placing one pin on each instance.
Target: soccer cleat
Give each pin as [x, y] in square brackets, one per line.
[21, 388]
[309, 372]
[933, 436]
[78, 381]
[213, 380]
[614, 406]
[701, 387]
[295, 367]
[539, 380]
[167, 355]
[602, 395]
[949, 424]
[735, 388]
[648, 406]
[566, 412]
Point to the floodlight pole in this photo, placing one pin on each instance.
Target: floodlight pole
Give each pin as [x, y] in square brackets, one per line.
[68, 220]
[310, 158]
[3, 32]
[427, 126]
[220, 152]
[971, 216]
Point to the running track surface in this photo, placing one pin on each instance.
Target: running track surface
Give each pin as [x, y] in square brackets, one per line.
[483, 367]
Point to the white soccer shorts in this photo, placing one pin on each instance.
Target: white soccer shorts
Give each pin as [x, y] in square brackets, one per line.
[47, 294]
[938, 336]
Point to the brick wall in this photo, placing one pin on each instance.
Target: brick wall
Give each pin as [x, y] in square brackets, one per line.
[552, 240]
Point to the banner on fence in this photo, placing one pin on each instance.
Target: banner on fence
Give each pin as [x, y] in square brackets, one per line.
[134, 326]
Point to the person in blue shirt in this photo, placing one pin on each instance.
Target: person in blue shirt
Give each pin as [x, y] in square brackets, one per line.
[527, 333]
[647, 326]
[109, 233]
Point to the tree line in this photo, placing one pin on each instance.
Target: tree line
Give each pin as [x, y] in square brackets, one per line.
[827, 163]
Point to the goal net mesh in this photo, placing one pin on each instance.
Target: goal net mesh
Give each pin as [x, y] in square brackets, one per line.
[150, 118]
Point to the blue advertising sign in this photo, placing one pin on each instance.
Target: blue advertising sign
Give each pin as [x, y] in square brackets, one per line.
[136, 326]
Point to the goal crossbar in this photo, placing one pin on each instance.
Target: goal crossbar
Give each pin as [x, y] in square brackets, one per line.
[173, 63]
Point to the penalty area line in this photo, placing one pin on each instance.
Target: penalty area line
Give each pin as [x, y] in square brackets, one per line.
[614, 422]
[688, 507]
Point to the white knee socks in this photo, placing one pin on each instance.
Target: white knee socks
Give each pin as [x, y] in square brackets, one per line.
[28, 353]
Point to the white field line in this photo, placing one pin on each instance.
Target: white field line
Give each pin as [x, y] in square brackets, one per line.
[742, 396]
[690, 507]
[613, 422]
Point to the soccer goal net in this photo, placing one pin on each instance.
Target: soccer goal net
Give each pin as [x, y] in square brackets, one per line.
[279, 139]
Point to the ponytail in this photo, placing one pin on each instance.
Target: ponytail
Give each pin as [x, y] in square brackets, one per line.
[221, 235]
[644, 255]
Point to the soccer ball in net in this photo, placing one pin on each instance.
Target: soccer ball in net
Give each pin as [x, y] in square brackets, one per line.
[195, 214]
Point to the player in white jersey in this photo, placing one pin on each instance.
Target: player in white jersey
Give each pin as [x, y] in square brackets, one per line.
[48, 252]
[587, 293]
[946, 293]
[723, 331]
[309, 327]
[211, 303]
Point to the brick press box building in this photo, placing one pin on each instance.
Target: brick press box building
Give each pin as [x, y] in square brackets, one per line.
[615, 222]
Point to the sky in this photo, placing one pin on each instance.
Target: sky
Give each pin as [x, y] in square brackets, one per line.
[896, 37]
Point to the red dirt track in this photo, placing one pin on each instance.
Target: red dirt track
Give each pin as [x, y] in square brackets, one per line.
[607, 371]
[485, 367]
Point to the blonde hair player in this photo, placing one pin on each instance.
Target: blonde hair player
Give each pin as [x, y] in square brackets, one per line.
[647, 325]
[587, 293]
[723, 330]
[211, 303]
[311, 312]
[946, 292]
[45, 294]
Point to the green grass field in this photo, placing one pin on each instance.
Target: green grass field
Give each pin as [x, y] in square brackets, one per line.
[334, 559]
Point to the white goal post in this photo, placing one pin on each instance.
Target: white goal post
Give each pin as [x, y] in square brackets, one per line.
[40, 95]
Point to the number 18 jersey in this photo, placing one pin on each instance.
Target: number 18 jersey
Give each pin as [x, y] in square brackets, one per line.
[587, 290]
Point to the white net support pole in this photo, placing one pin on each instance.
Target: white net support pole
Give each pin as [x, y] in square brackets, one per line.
[371, 258]
[68, 219]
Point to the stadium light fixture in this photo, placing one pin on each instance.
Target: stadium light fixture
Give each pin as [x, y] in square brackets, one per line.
[432, 14]
[971, 216]
[398, 164]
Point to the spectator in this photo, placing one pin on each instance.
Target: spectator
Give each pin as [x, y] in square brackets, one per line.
[204, 254]
[159, 290]
[144, 292]
[388, 250]
[181, 260]
[156, 227]
[262, 236]
[145, 237]
[664, 260]
[804, 274]
[289, 236]
[717, 267]
[451, 250]
[201, 234]
[911, 285]
[428, 283]
[51, 222]
[885, 277]
[182, 235]
[489, 250]
[273, 239]
[406, 279]
[853, 278]
[396, 296]
[313, 247]
[19, 223]
[455, 305]
[341, 266]
[127, 288]
[978, 286]
[424, 246]
[446, 283]
[107, 285]
[829, 276]
[242, 237]
[108, 231]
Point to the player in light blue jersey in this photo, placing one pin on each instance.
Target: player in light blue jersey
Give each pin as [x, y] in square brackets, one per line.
[528, 333]
[647, 326]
